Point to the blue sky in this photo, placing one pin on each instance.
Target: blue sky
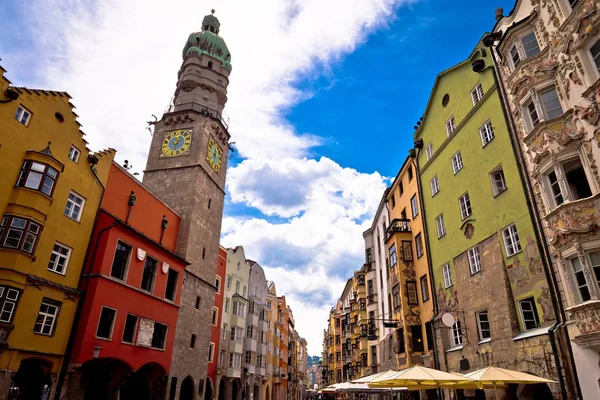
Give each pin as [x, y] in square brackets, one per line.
[323, 98]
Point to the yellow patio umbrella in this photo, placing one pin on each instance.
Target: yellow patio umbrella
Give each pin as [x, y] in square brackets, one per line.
[420, 376]
[495, 376]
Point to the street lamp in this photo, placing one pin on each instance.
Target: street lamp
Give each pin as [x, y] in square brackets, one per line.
[97, 351]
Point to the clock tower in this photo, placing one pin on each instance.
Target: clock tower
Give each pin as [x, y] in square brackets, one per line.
[186, 168]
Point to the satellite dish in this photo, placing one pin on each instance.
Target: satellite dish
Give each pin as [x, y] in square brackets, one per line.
[448, 319]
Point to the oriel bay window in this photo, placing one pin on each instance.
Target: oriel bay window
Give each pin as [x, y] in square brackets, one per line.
[527, 46]
[38, 176]
[407, 254]
[19, 233]
[543, 105]
[566, 181]
[581, 285]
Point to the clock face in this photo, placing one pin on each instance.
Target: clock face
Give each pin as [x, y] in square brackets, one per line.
[176, 143]
[214, 155]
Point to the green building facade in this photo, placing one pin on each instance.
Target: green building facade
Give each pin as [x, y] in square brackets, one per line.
[488, 271]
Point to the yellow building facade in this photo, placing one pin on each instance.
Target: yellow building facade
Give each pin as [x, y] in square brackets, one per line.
[411, 298]
[50, 190]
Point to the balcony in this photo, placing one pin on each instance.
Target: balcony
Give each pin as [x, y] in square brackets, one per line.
[587, 319]
[199, 109]
[397, 226]
[577, 216]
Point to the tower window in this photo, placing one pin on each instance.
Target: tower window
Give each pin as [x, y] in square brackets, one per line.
[210, 64]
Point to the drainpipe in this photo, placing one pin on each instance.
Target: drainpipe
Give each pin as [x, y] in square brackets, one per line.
[70, 344]
[436, 360]
[543, 247]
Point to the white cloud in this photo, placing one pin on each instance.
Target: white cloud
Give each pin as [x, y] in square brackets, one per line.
[119, 61]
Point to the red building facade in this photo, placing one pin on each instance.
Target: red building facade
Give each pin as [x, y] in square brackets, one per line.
[215, 333]
[132, 285]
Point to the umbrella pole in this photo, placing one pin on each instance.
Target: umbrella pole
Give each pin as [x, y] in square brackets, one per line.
[419, 390]
[495, 391]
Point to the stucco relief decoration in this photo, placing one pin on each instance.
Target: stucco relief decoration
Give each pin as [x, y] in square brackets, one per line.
[545, 302]
[586, 147]
[517, 274]
[579, 218]
[141, 254]
[560, 133]
[587, 319]
[409, 271]
[469, 230]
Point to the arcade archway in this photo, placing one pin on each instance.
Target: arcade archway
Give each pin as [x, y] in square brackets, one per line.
[187, 389]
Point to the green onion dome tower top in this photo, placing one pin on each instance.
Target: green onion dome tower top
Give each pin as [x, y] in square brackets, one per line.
[209, 42]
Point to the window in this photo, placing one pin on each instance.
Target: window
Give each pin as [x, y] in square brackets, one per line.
[74, 154]
[595, 53]
[193, 340]
[172, 280]
[511, 240]
[498, 181]
[148, 274]
[411, 293]
[401, 188]
[410, 173]
[393, 198]
[23, 115]
[159, 336]
[439, 225]
[106, 323]
[218, 284]
[407, 254]
[464, 203]
[417, 338]
[46, 319]
[595, 263]
[236, 334]
[457, 163]
[9, 298]
[419, 245]
[74, 206]
[435, 186]
[429, 151]
[477, 93]
[237, 287]
[228, 282]
[269, 304]
[429, 333]
[526, 47]
[447, 272]
[224, 331]
[399, 342]
[450, 125]
[198, 301]
[544, 105]
[244, 291]
[38, 176]
[130, 328]
[396, 296]
[483, 325]
[529, 313]
[514, 56]
[19, 233]
[221, 357]
[215, 311]
[474, 260]
[393, 259]
[573, 185]
[456, 334]
[424, 288]
[487, 133]
[414, 206]
[59, 258]
[235, 360]
[120, 261]
[211, 352]
[580, 281]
